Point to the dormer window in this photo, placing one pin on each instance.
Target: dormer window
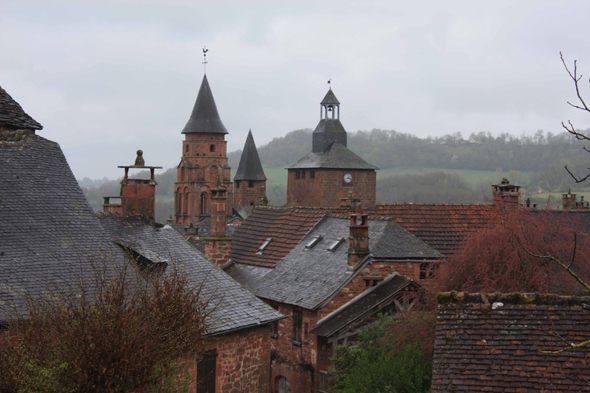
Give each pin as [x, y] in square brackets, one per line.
[264, 245]
[335, 245]
[313, 242]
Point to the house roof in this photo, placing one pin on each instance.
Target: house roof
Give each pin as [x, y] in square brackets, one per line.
[493, 343]
[13, 115]
[233, 307]
[336, 156]
[330, 98]
[250, 167]
[444, 227]
[49, 235]
[285, 226]
[310, 274]
[204, 117]
[364, 306]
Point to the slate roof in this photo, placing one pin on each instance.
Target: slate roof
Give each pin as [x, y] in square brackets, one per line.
[250, 167]
[204, 117]
[396, 242]
[330, 98]
[444, 227]
[233, 306]
[12, 114]
[367, 304]
[336, 156]
[285, 226]
[49, 235]
[306, 277]
[493, 343]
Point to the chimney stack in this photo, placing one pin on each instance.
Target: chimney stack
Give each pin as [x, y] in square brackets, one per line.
[569, 202]
[138, 196]
[358, 243]
[506, 195]
[218, 245]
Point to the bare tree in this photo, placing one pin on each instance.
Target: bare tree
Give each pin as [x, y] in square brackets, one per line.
[569, 127]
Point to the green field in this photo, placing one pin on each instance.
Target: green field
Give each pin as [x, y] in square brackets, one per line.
[473, 178]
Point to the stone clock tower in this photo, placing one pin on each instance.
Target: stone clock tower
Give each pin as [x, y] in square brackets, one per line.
[331, 171]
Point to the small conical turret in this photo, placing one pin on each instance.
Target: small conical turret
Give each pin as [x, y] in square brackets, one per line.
[250, 167]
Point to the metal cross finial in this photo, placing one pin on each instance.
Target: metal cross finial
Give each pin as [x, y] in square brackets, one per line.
[205, 50]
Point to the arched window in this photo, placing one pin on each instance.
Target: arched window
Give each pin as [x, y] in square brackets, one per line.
[185, 207]
[212, 148]
[283, 385]
[182, 174]
[203, 203]
[179, 206]
[186, 148]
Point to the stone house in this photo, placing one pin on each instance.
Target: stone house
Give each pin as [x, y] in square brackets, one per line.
[331, 274]
[49, 237]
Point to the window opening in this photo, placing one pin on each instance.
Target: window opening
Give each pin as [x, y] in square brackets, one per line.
[186, 148]
[237, 184]
[206, 367]
[312, 174]
[264, 245]
[336, 244]
[297, 321]
[274, 327]
[212, 148]
[203, 203]
[427, 270]
[303, 174]
[313, 242]
[297, 175]
[250, 184]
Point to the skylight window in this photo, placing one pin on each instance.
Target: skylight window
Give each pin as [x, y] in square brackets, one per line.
[313, 242]
[336, 244]
[264, 245]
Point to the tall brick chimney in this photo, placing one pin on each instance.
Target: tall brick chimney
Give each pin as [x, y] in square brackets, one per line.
[138, 196]
[218, 245]
[358, 242]
[569, 202]
[506, 195]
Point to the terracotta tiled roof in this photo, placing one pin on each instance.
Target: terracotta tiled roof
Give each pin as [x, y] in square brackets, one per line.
[492, 343]
[285, 226]
[442, 226]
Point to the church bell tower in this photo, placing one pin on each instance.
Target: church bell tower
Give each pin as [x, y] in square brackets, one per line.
[204, 159]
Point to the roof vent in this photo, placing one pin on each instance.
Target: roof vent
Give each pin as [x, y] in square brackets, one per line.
[336, 244]
[313, 242]
[264, 245]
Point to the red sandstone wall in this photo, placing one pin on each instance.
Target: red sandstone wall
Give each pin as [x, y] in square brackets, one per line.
[326, 189]
[193, 181]
[243, 361]
[218, 251]
[248, 196]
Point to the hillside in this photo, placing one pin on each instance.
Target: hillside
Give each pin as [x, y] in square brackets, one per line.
[446, 169]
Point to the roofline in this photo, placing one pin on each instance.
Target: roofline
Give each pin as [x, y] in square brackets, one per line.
[245, 327]
[358, 298]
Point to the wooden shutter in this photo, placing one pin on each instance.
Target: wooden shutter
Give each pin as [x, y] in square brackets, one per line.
[206, 372]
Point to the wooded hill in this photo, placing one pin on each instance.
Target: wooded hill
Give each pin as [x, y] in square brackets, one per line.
[447, 169]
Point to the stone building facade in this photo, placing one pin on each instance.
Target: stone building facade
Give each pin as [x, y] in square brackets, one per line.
[331, 171]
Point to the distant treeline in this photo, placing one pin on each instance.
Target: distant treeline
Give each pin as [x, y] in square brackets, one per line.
[392, 149]
[542, 156]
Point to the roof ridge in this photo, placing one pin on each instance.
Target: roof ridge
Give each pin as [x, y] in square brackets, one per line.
[515, 298]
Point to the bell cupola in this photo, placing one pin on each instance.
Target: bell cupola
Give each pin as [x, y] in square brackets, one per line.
[329, 129]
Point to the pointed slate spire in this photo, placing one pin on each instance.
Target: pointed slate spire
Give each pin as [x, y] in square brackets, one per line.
[204, 118]
[250, 167]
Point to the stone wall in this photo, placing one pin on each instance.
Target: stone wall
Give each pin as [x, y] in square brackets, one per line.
[325, 187]
[244, 195]
[243, 361]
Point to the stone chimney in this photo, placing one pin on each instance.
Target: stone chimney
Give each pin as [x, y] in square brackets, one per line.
[569, 202]
[138, 196]
[218, 245]
[350, 202]
[506, 195]
[358, 243]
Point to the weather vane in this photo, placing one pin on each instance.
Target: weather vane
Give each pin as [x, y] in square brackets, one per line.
[205, 50]
[330, 82]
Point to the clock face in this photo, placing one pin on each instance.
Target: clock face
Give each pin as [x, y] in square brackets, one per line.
[348, 178]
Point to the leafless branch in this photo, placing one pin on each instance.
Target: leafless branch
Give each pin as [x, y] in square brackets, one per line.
[576, 80]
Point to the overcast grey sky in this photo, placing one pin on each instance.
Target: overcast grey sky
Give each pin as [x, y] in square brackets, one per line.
[108, 77]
